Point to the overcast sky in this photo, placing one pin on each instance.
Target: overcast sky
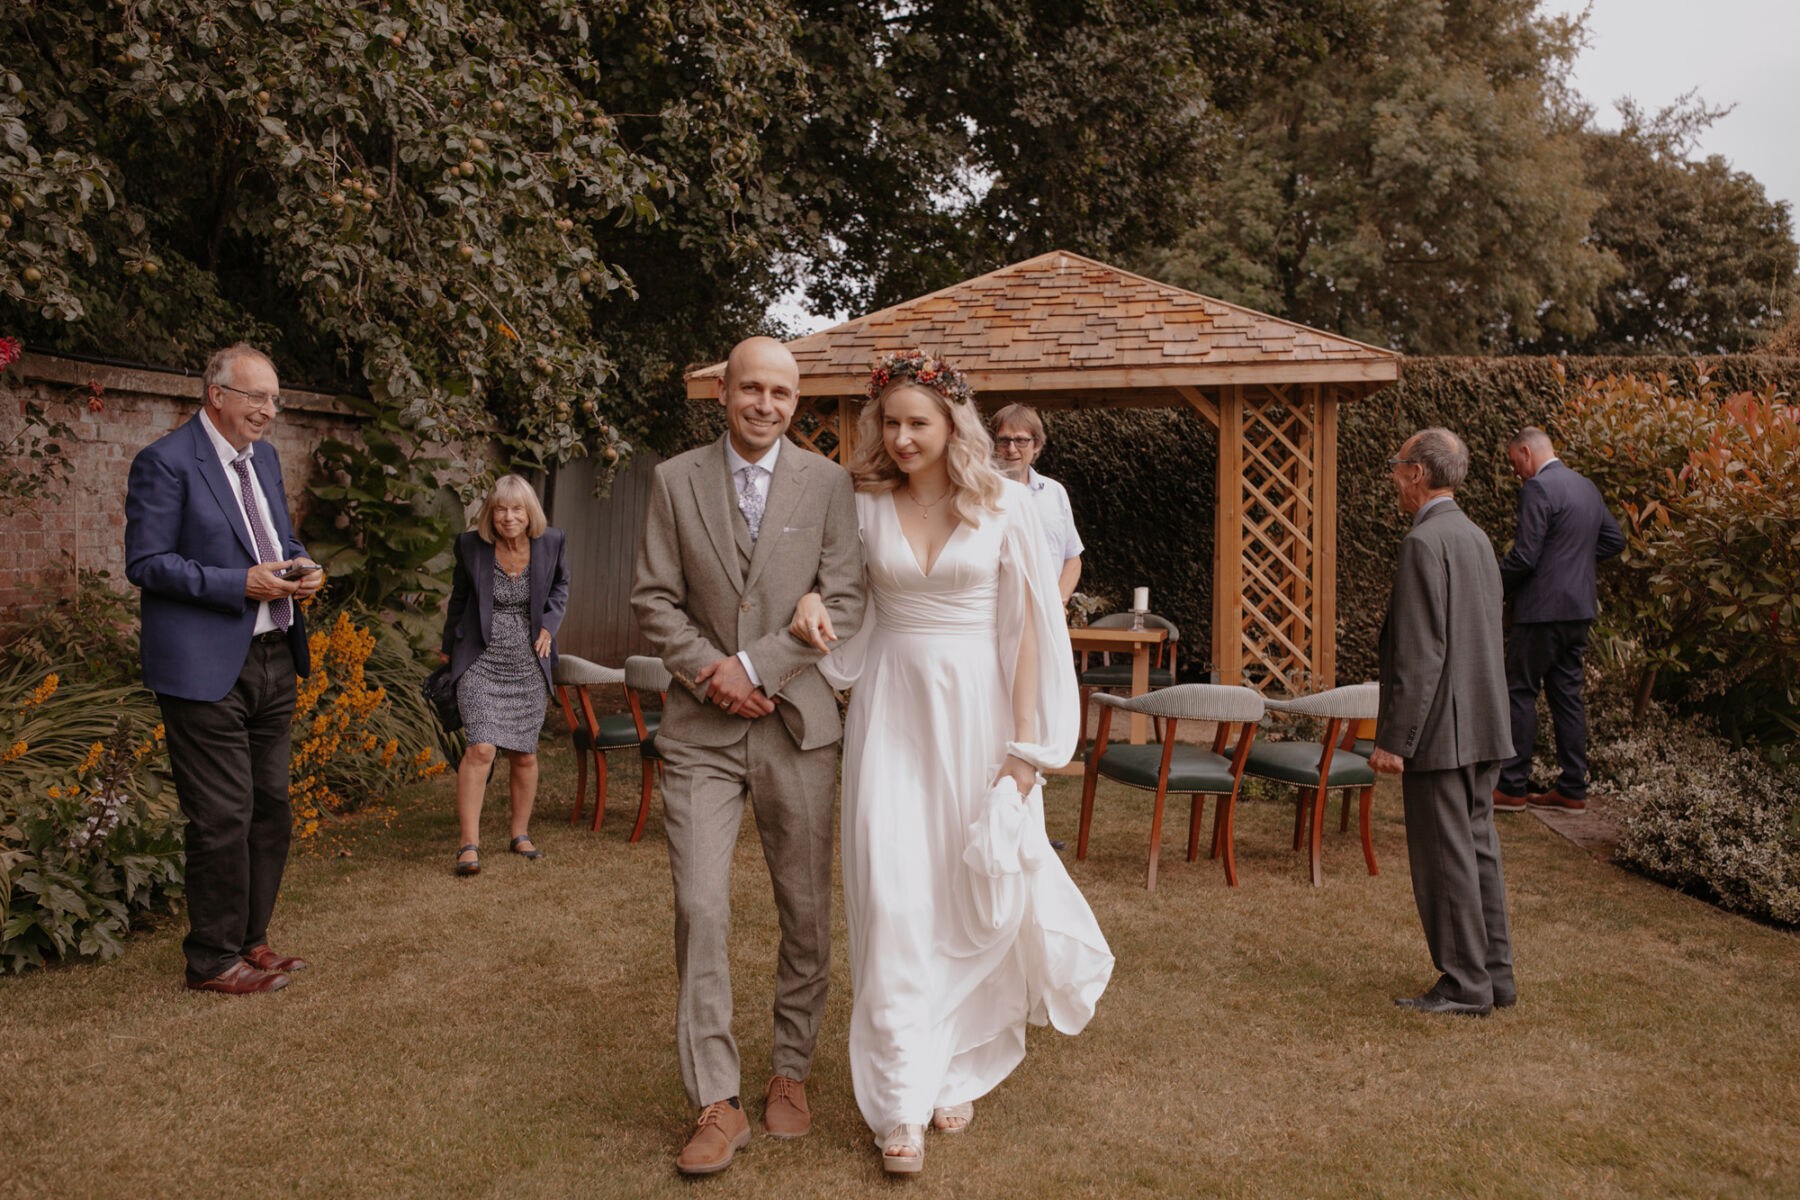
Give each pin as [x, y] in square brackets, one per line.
[1742, 52]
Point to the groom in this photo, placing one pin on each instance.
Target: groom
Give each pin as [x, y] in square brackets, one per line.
[737, 532]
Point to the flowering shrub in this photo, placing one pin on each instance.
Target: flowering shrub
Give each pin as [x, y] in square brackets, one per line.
[89, 830]
[349, 748]
[1696, 813]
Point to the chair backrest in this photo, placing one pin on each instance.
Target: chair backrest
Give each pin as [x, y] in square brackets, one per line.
[1193, 702]
[579, 672]
[646, 674]
[1123, 621]
[1353, 702]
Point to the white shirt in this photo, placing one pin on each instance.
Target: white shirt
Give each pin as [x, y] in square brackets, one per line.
[760, 481]
[1057, 518]
[1426, 507]
[227, 455]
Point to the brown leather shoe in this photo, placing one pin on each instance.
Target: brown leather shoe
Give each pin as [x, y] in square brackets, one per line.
[1506, 803]
[723, 1131]
[265, 959]
[1555, 801]
[240, 979]
[785, 1114]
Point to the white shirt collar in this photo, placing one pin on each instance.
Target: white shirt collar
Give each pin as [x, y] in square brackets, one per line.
[1429, 504]
[1547, 462]
[227, 452]
[1033, 480]
[737, 462]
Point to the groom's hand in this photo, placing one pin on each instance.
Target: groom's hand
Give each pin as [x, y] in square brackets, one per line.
[729, 687]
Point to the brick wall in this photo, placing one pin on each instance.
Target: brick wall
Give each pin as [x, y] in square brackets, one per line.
[83, 523]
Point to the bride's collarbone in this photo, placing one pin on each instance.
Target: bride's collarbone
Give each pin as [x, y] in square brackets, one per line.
[925, 537]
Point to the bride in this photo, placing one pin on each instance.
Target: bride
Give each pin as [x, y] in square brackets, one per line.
[963, 923]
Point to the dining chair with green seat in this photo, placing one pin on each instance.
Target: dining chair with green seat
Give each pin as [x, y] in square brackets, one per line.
[599, 736]
[646, 676]
[1112, 675]
[1173, 767]
[1316, 769]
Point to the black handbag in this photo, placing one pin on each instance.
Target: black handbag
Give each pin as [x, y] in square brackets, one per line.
[440, 692]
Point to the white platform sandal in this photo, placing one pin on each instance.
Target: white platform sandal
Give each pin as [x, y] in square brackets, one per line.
[904, 1151]
[953, 1118]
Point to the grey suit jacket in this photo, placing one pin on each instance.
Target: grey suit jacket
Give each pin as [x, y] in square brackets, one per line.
[1443, 662]
[703, 590]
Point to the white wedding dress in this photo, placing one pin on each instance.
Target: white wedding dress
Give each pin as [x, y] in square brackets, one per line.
[964, 925]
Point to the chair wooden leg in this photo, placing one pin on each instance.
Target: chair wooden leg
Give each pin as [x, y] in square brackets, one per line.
[1162, 794]
[1194, 825]
[647, 767]
[599, 789]
[1344, 813]
[1301, 797]
[580, 786]
[1368, 796]
[1226, 812]
[1090, 778]
[1318, 831]
[1084, 694]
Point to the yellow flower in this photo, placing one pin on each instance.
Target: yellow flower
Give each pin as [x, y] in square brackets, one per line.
[93, 758]
[44, 691]
[18, 749]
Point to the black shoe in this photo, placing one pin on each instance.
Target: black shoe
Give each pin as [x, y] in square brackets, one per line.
[534, 852]
[1505, 1001]
[1431, 1002]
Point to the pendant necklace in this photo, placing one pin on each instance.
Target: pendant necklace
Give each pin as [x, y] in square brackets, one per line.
[925, 509]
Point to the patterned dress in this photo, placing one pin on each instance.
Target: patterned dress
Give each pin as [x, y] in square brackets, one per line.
[502, 694]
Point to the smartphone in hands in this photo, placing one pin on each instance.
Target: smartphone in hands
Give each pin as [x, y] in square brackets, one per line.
[298, 571]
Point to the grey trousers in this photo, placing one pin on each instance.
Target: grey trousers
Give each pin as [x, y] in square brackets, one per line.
[1455, 858]
[703, 805]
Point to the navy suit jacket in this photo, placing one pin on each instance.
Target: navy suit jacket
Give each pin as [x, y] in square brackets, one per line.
[188, 551]
[467, 627]
[1564, 531]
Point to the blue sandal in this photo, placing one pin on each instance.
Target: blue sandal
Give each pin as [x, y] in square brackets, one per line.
[473, 866]
[534, 852]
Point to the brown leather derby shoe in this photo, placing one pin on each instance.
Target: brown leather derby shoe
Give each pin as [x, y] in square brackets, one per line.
[785, 1114]
[240, 979]
[723, 1131]
[1555, 801]
[265, 959]
[1506, 803]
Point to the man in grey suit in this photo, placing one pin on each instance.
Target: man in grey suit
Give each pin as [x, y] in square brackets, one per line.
[1564, 532]
[1443, 723]
[737, 532]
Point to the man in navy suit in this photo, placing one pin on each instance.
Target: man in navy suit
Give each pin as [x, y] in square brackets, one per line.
[208, 541]
[1564, 532]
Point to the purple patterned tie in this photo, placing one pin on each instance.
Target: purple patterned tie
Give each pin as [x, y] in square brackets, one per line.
[282, 609]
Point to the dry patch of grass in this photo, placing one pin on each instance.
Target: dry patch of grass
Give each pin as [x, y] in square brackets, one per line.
[512, 1034]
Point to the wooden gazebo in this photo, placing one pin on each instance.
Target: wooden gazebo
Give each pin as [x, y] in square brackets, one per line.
[1061, 331]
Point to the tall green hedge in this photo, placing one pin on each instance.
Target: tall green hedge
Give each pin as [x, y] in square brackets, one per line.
[1142, 482]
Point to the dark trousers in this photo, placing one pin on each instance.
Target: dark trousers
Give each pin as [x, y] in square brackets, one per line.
[1457, 883]
[1546, 656]
[230, 759]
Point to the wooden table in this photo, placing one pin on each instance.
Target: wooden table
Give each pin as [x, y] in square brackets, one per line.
[1117, 641]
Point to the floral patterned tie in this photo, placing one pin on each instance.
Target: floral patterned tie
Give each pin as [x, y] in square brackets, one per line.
[750, 498]
[281, 609]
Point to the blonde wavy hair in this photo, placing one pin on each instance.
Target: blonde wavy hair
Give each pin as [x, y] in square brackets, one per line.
[968, 456]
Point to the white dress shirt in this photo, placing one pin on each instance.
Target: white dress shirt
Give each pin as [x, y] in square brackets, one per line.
[760, 481]
[227, 455]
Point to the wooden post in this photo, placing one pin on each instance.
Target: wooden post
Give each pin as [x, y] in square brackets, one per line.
[1325, 483]
[1228, 540]
[846, 429]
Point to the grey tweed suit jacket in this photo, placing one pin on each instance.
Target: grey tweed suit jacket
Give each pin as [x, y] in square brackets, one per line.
[1443, 662]
[703, 590]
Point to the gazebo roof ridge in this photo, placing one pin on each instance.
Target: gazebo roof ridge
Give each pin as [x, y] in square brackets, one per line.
[1021, 328]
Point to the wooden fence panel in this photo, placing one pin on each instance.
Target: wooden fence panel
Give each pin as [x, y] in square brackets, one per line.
[602, 548]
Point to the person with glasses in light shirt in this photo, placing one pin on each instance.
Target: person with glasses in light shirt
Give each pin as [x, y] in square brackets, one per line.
[1018, 439]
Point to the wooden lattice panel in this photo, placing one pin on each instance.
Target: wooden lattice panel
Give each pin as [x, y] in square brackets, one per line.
[816, 425]
[1277, 529]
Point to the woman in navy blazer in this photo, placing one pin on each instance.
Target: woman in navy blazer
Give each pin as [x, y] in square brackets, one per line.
[506, 604]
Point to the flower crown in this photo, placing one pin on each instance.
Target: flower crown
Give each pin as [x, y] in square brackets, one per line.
[923, 369]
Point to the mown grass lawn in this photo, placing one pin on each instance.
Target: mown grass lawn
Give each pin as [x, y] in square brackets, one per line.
[512, 1035]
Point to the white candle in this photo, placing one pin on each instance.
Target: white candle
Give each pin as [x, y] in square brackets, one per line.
[1140, 599]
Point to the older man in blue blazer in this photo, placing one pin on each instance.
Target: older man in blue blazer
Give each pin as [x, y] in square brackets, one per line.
[209, 542]
[1564, 532]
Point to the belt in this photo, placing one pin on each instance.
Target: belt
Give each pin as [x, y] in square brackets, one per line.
[272, 637]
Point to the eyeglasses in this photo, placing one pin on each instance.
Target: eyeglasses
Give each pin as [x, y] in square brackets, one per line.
[1014, 443]
[1394, 462]
[258, 399]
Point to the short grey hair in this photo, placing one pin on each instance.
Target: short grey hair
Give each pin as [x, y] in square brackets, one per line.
[1531, 436]
[1023, 416]
[220, 366]
[1443, 455]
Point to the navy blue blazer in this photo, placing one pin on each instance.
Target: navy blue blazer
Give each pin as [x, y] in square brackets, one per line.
[467, 627]
[1564, 531]
[188, 551]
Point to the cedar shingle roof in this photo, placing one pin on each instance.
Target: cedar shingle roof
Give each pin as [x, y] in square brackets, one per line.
[1061, 322]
